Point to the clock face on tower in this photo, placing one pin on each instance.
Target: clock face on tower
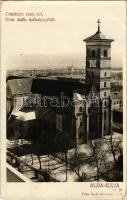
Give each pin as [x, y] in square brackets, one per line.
[105, 63]
[92, 63]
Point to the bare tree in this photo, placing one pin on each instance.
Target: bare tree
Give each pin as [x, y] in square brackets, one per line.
[66, 161]
[115, 147]
[94, 145]
[76, 152]
[105, 167]
[75, 161]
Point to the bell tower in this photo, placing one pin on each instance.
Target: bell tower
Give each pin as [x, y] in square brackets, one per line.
[98, 73]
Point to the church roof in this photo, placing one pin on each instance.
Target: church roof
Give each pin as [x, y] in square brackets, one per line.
[19, 86]
[55, 87]
[98, 36]
[45, 86]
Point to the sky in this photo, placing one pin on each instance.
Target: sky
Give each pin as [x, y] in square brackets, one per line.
[74, 21]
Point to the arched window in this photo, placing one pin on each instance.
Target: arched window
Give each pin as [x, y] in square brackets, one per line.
[80, 109]
[98, 53]
[105, 74]
[105, 53]
[104, 103]
[92, 74]
[88, 52]
[104, 93]
[93, 53]
[104, 84]
[24, 100]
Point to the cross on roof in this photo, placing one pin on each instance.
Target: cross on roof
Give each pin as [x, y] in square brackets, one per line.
[98, 21]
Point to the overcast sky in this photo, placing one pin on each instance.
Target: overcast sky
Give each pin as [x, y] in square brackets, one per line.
[74, 21]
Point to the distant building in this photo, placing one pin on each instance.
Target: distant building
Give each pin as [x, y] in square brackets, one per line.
[117, 101]
[70, 69]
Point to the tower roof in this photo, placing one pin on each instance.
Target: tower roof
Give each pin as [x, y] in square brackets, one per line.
[98, 36]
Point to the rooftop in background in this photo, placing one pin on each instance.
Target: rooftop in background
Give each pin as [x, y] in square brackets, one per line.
[15, 74]
[117, 94]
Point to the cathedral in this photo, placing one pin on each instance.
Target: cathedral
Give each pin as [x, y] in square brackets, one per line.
[88, 113]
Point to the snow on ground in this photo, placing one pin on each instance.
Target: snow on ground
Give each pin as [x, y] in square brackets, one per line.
[57, 168]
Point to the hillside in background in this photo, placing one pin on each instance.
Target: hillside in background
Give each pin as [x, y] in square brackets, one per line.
[52, 61]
